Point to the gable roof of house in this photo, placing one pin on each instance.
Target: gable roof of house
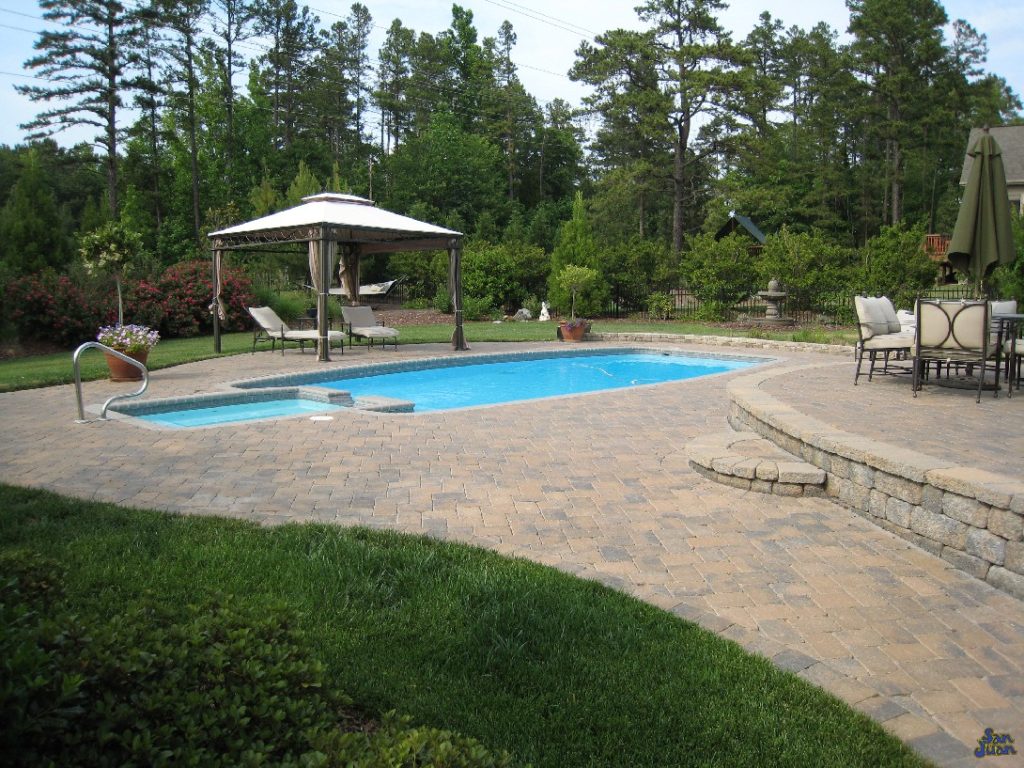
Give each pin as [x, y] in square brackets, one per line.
[736, 221]
[1011, 140]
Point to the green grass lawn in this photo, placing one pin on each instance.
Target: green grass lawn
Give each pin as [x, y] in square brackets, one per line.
[559, 671]
[47, 370]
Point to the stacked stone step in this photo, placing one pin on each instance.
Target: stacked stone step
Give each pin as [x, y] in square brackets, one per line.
[747, 461]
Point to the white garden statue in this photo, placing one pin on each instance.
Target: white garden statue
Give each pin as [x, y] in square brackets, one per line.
[544, 314]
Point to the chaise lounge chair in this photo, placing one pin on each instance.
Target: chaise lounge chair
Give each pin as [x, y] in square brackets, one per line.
[361, 323]
[270, 327]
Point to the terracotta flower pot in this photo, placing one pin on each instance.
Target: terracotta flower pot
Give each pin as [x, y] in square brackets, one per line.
[122, 371]
[573, 333]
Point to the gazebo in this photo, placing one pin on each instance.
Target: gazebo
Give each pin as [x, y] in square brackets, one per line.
[346, 226]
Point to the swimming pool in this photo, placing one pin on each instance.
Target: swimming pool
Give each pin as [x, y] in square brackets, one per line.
[462, 382]
[205, 416]
[442, 389]
[431, 385]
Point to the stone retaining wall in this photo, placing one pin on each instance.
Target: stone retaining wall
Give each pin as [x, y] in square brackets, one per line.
[722, 341]
[971, 518]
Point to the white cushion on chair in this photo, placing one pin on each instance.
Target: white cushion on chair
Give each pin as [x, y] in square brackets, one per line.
[1003, 307]
[901, 340]
[907, 319]
[871, 317]
[888, 314]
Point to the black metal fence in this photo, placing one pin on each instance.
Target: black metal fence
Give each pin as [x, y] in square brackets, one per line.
[803, 308]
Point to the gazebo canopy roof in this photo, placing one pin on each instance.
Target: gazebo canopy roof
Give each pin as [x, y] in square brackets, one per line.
[344, 218]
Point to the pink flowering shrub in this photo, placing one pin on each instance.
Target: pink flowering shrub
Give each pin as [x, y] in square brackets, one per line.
[51, 307]
[184, 292]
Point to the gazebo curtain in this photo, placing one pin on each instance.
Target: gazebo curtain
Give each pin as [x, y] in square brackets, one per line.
[314, 265]
[348, 273]
[217, 305]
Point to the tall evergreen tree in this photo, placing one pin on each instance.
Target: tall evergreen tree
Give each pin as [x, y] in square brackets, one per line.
[394, 71]
[30, 236]
[285, 66]
[232, 22]
[92, 60]
[694, 62]
[184, 20]
[898, 45]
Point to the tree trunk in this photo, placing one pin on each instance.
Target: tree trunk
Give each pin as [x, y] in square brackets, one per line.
[897, 182]
[229, 92]
[192, 140]
[111, 128]
[679, 182]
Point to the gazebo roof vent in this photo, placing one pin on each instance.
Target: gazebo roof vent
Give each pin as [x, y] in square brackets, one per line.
[336, 197]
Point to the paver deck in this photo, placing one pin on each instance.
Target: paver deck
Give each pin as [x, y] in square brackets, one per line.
[598, 486]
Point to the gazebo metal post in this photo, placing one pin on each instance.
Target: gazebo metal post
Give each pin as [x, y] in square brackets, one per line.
[323, 345]
[216, 300]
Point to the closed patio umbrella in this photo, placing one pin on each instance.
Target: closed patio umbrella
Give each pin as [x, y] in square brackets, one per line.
[983, 237]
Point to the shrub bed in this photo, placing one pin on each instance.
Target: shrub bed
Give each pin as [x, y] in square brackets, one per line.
[54, 308]
[213, 685]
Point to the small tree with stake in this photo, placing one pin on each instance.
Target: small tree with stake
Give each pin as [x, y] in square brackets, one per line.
[574, 279]
[110, 249]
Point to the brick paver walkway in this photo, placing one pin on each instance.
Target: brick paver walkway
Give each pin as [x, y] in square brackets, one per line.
[598, 486]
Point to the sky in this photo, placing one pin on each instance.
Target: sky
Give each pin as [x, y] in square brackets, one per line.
[548, 36]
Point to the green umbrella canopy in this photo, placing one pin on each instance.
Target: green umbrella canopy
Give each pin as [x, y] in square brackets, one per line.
[983, 236]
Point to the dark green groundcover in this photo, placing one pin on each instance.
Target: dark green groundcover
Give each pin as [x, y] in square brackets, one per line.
[172, 640]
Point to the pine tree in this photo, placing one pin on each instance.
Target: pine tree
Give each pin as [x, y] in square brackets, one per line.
[92, 59]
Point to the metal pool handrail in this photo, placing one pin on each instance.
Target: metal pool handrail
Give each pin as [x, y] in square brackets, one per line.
[78, 378]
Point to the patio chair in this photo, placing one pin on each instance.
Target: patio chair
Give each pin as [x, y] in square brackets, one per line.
[270, 327]
[954, 333]
[880, 333]
[360, 323]
[1012, 350]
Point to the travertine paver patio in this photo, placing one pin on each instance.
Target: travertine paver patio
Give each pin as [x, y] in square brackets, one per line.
[599, 486]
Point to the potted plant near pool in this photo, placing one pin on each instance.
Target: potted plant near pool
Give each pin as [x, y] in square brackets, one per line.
[135, 341]
[111, 249]
[574, 279]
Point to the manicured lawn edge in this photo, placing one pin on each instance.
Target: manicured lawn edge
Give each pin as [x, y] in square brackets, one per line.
[557, 670]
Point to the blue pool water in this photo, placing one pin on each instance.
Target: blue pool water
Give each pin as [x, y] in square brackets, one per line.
[438, 389]
[223, 414]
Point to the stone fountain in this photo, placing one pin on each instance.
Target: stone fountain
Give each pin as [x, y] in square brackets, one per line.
[773, 299]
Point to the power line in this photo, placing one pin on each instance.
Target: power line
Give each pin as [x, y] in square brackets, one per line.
[543, 18]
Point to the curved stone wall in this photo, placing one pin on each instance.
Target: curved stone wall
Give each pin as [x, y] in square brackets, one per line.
[971, 518]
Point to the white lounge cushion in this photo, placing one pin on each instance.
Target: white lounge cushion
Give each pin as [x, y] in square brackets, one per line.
[276, 328]
[1003, 307]
[375, 332]
[313, 335]
[269, 321]
[362, 322]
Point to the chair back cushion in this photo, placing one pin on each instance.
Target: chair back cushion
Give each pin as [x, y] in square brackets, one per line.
[889, 313]
[872, 316]
[953, 325]
[268, 320]
[359, 317]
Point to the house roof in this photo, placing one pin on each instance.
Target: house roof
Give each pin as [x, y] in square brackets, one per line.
[347, 217]
[1011, 140]
[735, 222]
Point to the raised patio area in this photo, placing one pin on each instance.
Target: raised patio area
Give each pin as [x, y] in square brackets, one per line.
[601, 486]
